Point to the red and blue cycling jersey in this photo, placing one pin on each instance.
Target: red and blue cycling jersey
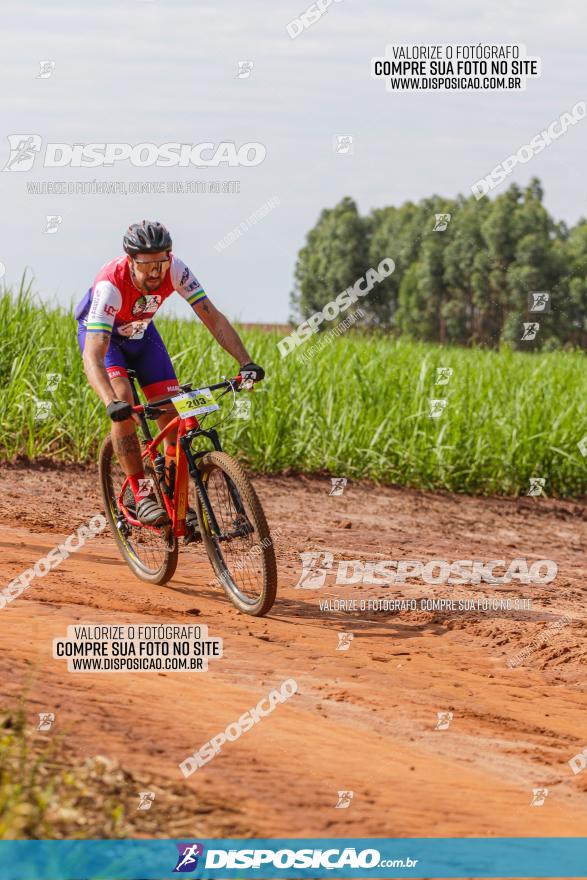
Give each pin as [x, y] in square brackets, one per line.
[114, 304]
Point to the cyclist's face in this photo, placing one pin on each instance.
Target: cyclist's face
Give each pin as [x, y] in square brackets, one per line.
[149, 270]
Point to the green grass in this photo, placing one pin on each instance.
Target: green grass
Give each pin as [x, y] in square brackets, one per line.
[359, 408]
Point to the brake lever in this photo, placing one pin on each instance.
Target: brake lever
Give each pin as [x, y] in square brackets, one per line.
[228, 390]
[236, 386]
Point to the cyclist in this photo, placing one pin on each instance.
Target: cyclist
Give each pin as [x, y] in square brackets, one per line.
[116, 333]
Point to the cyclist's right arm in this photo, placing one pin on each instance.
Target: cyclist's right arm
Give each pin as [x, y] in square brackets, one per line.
[106, 302]
[95, 349]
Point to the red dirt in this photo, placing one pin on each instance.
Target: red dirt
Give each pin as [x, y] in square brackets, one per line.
[363, 719]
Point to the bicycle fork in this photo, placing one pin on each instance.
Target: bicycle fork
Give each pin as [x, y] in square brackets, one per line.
[187, 463]
[190, 461]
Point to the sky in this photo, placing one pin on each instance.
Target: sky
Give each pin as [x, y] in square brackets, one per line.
[157, 71]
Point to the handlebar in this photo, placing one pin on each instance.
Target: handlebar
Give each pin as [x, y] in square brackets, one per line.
[153, 410]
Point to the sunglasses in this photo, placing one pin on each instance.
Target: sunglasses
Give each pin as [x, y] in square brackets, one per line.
[146, 266]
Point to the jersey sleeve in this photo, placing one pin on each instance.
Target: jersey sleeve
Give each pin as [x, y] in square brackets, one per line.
[185, 282]
[106, 302]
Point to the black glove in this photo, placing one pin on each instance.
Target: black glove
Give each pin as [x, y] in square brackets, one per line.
[119, 410]
[253, 368]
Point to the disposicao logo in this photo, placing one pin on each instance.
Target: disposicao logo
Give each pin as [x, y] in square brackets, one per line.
[24, 149]
[187, 860]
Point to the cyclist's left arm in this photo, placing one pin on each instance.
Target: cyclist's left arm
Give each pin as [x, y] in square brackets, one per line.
[222, 330]
[188, 286]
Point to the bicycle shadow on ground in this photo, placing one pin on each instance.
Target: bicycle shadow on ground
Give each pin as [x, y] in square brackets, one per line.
[299, 613]
[370, 623]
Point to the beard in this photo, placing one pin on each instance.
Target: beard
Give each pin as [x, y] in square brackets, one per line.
[152, 283]
[147, 284]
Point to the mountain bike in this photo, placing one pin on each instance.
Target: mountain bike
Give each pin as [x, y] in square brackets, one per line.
[232, 525]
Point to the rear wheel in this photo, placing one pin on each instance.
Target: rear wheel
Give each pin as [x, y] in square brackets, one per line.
[243, 556]
[150, 553]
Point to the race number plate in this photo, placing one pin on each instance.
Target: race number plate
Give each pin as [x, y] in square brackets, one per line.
[194, 403]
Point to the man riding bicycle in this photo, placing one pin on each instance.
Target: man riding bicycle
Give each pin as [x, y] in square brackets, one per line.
[116, 333]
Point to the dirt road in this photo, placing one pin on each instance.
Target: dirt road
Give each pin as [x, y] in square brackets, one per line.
[364, 719]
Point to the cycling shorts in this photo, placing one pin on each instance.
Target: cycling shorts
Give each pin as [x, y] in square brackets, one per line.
[148, 357]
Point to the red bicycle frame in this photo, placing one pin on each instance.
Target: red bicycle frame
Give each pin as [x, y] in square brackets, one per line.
[176, 508]
[184, 459]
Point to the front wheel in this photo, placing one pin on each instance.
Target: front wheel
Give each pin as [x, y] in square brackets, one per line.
[150, 553]
[242, 556]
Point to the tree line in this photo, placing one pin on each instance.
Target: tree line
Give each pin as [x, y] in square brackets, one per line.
[465, 271]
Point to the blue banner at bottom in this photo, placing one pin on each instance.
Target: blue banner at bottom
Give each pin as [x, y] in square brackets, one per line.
[292, 858]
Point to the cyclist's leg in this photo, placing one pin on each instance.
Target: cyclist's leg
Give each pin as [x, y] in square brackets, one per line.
[124, 436]
[126, 445]
[127, 449]
[156, 376]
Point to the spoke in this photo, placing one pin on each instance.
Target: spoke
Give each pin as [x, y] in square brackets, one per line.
[241, 555]
[148, 546]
